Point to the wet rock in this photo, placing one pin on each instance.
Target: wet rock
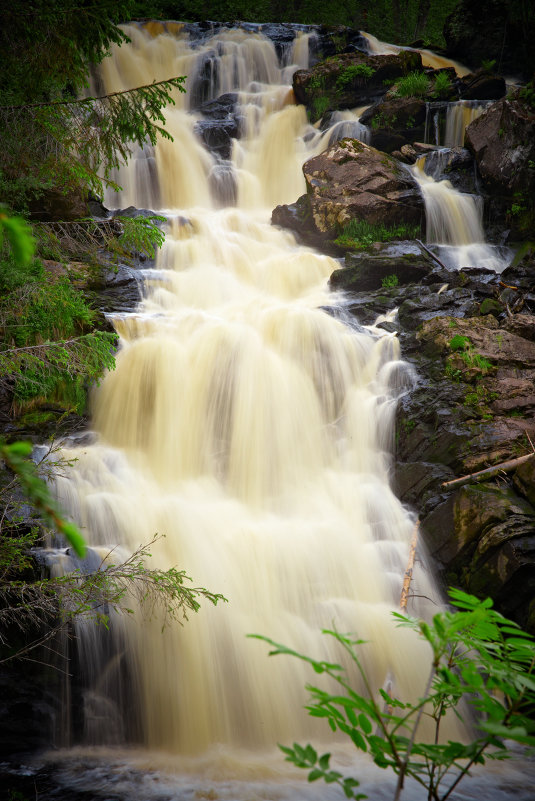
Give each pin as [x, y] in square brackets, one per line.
[523, 325]
[119, 290]
[297, 217]
[388, 264]
[54, 205]
[217, 136]
[456, 164]
[395, 122]
[352, 180]
[221, 124]
[524, 480]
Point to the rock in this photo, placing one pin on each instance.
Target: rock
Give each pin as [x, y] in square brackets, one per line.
[482, 85]
[56, 206]
[523, 325]
[395, 122]
[220, 125]
[350, 80]
[217, 135]
[365, 271]
[456, 164]
[397, 113]
[502, 563]
[524, 480]
[352, 180]
[502, 141]
[298, 218]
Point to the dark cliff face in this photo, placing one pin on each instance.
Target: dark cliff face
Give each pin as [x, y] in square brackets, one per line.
[497, 30]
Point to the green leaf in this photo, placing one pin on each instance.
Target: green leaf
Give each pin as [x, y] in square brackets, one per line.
[365, 724]
[75, 539]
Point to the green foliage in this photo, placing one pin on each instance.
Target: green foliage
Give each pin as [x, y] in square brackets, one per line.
[488, 65]
[527, 94]
[46, 348]
[359, 234]
[49, 604]
[353, 73]
[478, 658]
[459, 342]
[19, 237]
[442, 86]
[415, 84]
[16, 456]
[139, 235]
[75, 145]
[389, 281]
[319, 106]
[464, 347]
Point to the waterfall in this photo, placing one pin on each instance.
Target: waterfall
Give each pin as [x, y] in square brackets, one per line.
[454, 220]
[429, 59]
[445, 123]
[245, 423]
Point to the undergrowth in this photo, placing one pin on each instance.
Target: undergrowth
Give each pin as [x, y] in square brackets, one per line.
[359, 234]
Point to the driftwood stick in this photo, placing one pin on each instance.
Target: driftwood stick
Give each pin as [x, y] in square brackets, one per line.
[489, 472]
[430, 253]
[389, 680]
[408, 572]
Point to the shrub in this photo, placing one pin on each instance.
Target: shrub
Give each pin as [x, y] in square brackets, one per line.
[442, 86]
[355, 72]
[478, 658]
[359, 234]
[415, 84]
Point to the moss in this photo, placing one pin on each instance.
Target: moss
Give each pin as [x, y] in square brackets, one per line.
[490, 306]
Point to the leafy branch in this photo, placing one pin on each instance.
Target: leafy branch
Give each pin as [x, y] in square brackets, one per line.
[479, 658]
[85, 140]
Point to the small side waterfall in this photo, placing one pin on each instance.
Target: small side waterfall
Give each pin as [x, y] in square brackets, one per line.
[454, 221]
[445, 123]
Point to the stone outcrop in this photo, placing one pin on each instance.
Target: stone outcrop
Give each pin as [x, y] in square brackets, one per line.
[503, 143]
[349, 80]
[351, 180]
[220, 124]
[395, 122]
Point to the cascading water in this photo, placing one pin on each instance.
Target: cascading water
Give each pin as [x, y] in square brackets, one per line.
[445, 123]
[454, 221]
[251, 428]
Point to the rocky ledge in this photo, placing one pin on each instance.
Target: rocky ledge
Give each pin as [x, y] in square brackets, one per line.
[471, 339]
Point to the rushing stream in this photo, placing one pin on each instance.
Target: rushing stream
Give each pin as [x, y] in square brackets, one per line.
[251, 424]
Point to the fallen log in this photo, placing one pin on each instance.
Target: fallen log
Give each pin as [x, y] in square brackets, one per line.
[430, 253]
[489, 472]
[408, 571]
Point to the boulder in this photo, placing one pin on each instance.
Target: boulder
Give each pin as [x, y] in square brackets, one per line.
[367, 270]
[351, 180]
[481, 85]
[456, 164]
[349, 80]
[395, 122]
[502, 141]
